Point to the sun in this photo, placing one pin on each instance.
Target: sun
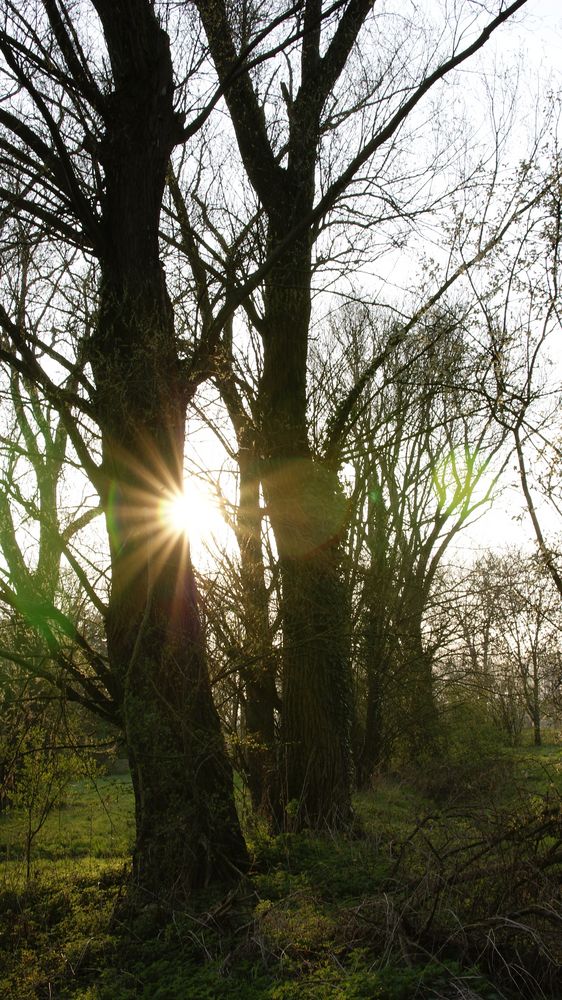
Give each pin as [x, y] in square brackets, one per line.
[177, 513]
[193, 512]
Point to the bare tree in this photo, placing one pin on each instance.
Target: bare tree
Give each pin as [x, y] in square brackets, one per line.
[38, 531]
[284, 131]
[424, 457]
[520, 321]
[504, 645]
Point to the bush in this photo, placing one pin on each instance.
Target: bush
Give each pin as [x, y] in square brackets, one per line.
[473, 761]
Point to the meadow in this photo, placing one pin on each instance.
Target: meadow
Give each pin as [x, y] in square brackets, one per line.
[448, 887]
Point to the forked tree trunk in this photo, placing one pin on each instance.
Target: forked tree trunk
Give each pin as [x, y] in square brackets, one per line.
[316, 685]
[187, 831]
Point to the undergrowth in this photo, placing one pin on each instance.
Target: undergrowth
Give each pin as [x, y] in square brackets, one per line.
[435, 899]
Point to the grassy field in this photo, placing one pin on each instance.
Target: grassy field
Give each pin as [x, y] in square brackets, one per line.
[444, 895]
[94, 821]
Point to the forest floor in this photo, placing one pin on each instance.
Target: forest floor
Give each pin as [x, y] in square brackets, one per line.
[452, 889]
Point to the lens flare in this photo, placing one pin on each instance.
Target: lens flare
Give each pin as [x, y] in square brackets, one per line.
[192, 512]
[151, 519]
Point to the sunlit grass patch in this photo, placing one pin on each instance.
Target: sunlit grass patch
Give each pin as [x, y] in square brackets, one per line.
[56, 927]
[94, 819]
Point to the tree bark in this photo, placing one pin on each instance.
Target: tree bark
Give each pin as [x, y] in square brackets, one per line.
[187, 831]
[377, 635]
[307, 512]
[316, 768]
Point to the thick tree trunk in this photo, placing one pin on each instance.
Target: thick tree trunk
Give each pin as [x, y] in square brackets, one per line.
[187, 831]
[307, 512]
[316, 766]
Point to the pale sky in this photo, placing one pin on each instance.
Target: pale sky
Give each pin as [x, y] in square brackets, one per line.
[536, 44]
[540, 37]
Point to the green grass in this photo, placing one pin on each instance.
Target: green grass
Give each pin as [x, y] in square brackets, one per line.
[95, 820]
[540, 767]
[360, 917]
